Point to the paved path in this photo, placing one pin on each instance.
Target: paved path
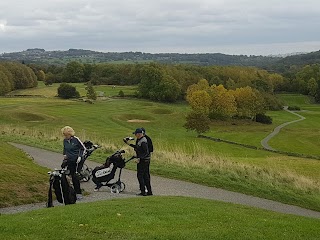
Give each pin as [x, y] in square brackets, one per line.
[161, 186]
[265, 141]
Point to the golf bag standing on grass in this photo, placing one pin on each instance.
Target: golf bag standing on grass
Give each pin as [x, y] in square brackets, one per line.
[62, 188]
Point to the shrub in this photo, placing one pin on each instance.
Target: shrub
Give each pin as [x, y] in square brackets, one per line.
[67, 91]
[262, 118]
[121, 93]
[48, 81]
[198, 122]
[91, 93]
[272, 102]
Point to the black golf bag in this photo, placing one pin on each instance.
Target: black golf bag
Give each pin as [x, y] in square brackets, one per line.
[63, 190]
[83, 172]
[102, 175]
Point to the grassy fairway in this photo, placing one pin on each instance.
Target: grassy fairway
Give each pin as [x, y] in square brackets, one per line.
[157, 218]
[51, 91]
[21, 180]
[302, 137]
[178, 154]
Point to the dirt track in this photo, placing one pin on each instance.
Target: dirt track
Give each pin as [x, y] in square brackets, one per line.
[161, 186]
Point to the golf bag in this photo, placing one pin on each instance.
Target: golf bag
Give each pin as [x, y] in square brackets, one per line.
[63, 190]
[103, 175]
[83, 172]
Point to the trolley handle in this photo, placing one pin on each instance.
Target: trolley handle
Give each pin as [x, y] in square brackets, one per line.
[133, 157]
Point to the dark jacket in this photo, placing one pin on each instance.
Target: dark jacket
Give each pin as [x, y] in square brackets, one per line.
[73, 148]
[141, 149]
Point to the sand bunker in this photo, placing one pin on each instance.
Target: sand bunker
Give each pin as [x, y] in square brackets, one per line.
[138, 121]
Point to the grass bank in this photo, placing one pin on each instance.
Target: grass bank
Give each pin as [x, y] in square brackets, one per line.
[157, 218]
[21, 180]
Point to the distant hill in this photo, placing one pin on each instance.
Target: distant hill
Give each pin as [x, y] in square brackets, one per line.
[86, 56]
[275, 63]
[302, 59]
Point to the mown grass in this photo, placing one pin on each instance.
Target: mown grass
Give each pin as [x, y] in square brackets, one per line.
[21, 180]
[178, 154]
[51, 91]
[157, 218]
[302, 137]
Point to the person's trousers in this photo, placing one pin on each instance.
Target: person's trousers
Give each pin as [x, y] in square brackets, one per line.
[75, 181]
[143, 174]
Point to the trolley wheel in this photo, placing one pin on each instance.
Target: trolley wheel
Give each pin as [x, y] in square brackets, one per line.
[122, 186]
[86, 176]
[115, 188]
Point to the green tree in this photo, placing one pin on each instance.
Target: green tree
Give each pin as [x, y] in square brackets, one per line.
[121, 94]
[312, 87]
[41, 75]
[91, 93]
[198, 122]
[73, 72]
[168, 90]
[22, 76]
[67, 91]
[4, 84]
[157, 85]
[151, 76]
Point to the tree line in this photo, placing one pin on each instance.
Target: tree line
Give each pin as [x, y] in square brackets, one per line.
[14, 76]
[305, 81]
[163, 82]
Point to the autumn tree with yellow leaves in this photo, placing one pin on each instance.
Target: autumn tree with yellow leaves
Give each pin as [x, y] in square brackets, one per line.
[217, 102]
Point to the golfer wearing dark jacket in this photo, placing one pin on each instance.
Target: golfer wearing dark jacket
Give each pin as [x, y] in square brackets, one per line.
[143, 166]
[73, 151]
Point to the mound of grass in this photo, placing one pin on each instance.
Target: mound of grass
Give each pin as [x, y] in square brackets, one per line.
[25, 116]
[21, 180]
[157, 218]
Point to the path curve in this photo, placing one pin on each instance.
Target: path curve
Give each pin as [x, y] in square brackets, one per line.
[265, 141]
[161, 187]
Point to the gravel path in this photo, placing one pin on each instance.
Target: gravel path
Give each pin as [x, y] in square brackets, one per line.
[161, 186]
[265, 141]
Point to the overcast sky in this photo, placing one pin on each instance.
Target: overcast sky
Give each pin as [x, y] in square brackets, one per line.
[184, 26]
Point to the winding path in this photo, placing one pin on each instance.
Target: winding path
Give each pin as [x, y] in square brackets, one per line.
[265, 141]
[161, 186]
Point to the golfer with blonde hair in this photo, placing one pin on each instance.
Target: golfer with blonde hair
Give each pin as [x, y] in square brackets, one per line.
[73, 152]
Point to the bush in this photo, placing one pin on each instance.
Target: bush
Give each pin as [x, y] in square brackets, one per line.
[121, 93]
[262, 118]
[67, 91]
[294, 108]
[272, 102]
[198, 122]
[48, 82]
[91, 93]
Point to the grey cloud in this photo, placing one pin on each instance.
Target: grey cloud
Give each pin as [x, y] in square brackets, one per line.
[189, 25]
